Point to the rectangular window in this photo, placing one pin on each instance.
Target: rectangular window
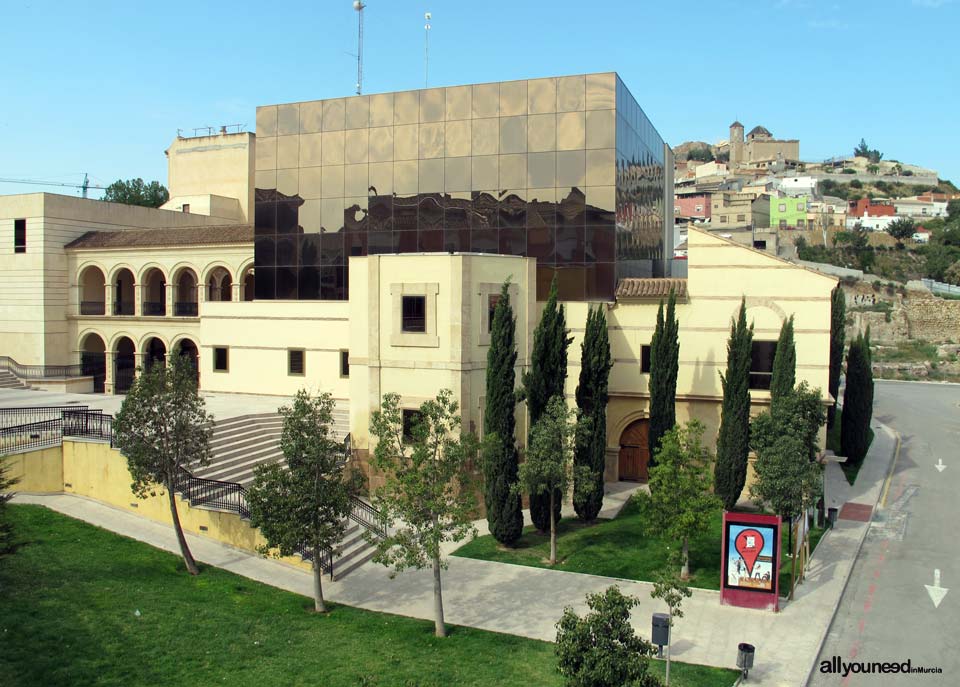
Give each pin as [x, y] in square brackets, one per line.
[221, 359]
[414, 313]
[344, 363]
[491, 308]
[801, 223]
[296, 363]
[801, 207]
[723, 219]
[783, 207]
[411, 418]
[783, 224]
[741, 218]
[19, 236]
[762, 245]
[645, 359]
[761, 363]
[186, 208]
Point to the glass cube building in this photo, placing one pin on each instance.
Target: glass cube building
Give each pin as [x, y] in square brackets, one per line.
[568, 170]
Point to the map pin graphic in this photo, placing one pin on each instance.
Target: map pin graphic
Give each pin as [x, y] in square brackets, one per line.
[749, 543]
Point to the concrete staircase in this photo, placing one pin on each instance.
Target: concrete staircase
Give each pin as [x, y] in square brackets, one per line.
[9, 381]
[240, 444]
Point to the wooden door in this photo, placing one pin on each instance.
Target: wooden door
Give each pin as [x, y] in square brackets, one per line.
[634, 452]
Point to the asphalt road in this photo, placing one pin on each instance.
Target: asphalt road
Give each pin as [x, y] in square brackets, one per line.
[886, 613]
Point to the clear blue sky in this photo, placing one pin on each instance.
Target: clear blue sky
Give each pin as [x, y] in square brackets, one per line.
[102, 87]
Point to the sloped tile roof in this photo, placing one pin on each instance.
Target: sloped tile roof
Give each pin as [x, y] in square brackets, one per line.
[651, 288]
[162, 238]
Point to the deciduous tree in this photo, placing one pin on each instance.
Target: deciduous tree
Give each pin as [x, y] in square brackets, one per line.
[501, 458]
[162, 428]
[672, 589]
[601, 649]
[427, 498]
[733, 440]
[681, 500]
[664, 364]
[591, 443]
[136, 192]
[548, 465]
[306, 505]
[544, 380]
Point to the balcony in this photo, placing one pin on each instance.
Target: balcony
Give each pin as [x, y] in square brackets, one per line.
[185, 309]
[123, 308]
[154, 308]
[93, 308]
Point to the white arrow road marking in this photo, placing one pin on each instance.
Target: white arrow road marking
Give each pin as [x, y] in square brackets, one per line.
[935, 591]
[940, 466]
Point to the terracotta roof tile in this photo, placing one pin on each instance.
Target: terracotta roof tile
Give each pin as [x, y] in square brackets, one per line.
[651, 288]
[154, 238]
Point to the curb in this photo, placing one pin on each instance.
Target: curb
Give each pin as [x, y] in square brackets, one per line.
[863, 537]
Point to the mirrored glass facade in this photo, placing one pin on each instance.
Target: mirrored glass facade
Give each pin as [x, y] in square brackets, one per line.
[567, 170]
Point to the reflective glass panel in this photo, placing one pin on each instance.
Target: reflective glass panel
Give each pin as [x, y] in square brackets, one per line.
[431, 176]
[513, 171]
[486, 136]
[311, 117]
[513, 98]
[405, 176]
[288, 119]
[541, 95]
[405, 146]
[513, 134]
[541, 170]
[358, 112]
[571, 169]
[601, 127]
[381, 109]
[486, 172]
[331, 147]
[457, 174]
[457, 138]
[310, 150]
[486, 100]
[267, 121]
[333, 114]
[381, 178]
[541, 133]
[355, 180]
[431, 140]
[600, 92]
[355, 146]
[288, 152]
[458, 102]
[381, 144]
[432, 105]
[406, 107]
[571, 94]
[332, 182]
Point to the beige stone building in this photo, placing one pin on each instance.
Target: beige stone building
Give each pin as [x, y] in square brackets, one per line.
[101, 290]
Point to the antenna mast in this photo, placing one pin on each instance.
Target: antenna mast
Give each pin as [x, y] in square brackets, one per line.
[359, 7]
[426, 50]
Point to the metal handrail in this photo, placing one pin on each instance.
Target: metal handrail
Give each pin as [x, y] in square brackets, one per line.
[32, 435]
[39, 371]
[93, 308]
[11, 417]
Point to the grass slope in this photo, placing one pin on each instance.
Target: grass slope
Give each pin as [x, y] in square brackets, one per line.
[618, 548]
[67, 617]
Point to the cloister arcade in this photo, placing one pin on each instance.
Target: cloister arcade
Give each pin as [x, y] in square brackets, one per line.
[114, 365]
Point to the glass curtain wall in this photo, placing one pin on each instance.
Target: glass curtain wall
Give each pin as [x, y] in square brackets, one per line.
[544, 168]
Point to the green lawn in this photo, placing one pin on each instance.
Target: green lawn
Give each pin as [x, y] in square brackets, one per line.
[617, 548]
[67, 617]
[850, 470]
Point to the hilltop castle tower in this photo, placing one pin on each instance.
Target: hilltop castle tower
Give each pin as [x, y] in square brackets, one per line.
[736, 145]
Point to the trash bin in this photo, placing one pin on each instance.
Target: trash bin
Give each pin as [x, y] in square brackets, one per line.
[832, 516]
[745, 654]
[661, 629]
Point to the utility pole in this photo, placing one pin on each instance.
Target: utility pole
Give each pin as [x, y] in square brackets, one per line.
[359, 7]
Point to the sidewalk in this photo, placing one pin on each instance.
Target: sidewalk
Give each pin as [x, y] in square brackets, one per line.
[529, 601]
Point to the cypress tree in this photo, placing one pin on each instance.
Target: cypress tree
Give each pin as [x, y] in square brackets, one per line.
[733, 441]
[591, 443]
[838, 317]
[857, 402]
[784, 376]
[664, 363]
[544, 380]
[501, 458]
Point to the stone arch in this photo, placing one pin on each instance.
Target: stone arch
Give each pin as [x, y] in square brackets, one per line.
[153, 292]
[218, 283]
[185, 345]
[124, 363]
[148, 268]
[248, 283]
[91, 286]
[93, 358]
[154, 352]
[123, 285]
[185, 291]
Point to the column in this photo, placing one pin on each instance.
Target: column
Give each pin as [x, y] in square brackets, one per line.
[109, 372]
[108, 299]
[137, 300]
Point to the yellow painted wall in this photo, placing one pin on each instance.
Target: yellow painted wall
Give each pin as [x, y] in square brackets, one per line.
[36, 472]
[219, 165]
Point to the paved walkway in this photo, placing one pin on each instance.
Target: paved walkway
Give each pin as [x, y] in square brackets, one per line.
[529, 601]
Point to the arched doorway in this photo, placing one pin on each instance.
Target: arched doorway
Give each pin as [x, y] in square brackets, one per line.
[186, 294]
[154, 293]
[634, 451]
[123, 292]
[188, 349]
[155, 353]
[219, 285]
[124, 365]
[93, 360]
[92, 291]
[248, 285]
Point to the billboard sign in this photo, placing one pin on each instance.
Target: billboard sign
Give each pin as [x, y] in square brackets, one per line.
[751, 560]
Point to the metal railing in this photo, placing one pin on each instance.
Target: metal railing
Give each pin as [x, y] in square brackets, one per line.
[369, 517]
[88, 424]
[11, 417]
[122, 307]
[185, 309]
[226, 496]
[154, 308]
[93, 308]
[38, 371]
[31, 436]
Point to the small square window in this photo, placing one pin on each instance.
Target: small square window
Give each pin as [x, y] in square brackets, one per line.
[344, 363]
[296, 363]
[491, 309]
[800, 223]
[783, 207]
[221, 359]
[645, 359]
[741, 218]
[414, 314]
[723, 219]
[801, 206]
[19, 236]
[411, 418]
[783, 224]
[186, 208]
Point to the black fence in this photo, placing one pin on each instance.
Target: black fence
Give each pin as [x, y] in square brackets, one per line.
[185, 309]
[88, 425]
[38, 371]
[369, 517]
[123, 307]
[93, 308]
[154, 308]
[12, 417]
[31, 436]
